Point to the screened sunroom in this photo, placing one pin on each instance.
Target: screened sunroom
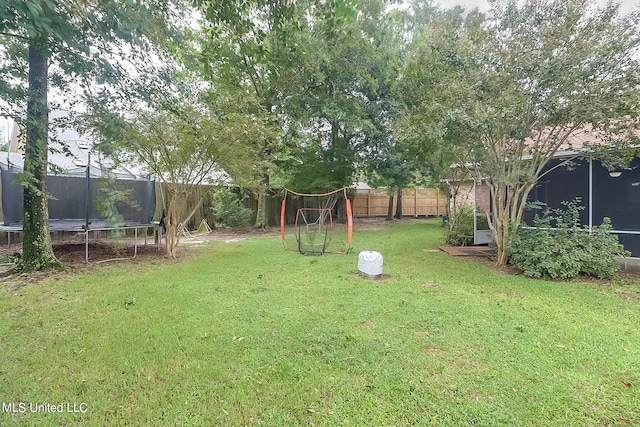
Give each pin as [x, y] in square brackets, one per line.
[603, 193]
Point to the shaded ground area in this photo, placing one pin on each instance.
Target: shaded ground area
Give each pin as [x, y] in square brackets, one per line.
[485, 251]
[482, 255]
[72, 252]
[106, 250]
[100, 250]
[624, 284]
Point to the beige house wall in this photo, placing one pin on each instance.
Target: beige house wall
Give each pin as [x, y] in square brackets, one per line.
[463, 194]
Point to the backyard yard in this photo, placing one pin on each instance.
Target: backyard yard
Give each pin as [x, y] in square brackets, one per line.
[243, 333]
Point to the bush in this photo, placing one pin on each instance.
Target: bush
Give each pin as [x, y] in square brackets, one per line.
[229, 211]
[461, 224]
[560, 248]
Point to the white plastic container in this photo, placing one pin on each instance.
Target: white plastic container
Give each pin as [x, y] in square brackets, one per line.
[370, 264]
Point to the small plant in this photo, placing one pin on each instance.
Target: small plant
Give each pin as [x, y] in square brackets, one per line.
[111, 196]
[228, 210]
[460, 224]
[560, 248]
[10, 258]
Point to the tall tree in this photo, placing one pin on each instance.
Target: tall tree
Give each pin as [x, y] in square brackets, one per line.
[244, 49]
[394, 172]
[517, 93]
[384, 160]
[71, 46]
[445, 40]
[342, 106]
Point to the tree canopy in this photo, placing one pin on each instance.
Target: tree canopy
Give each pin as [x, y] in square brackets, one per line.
[514, 90]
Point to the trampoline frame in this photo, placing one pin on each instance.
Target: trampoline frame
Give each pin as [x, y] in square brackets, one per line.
[78, 226]
[86, 224]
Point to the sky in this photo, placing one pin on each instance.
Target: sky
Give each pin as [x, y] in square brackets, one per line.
[483, 5]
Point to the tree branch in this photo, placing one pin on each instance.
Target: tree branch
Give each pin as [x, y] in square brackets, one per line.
[18, 36]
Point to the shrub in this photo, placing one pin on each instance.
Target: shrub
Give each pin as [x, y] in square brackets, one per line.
[461, 224]
[229, 211]
[560, 248]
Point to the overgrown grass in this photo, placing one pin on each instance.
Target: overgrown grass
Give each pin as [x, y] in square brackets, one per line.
[247, 334]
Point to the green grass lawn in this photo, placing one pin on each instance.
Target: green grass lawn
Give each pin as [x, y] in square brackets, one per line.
[245, 333]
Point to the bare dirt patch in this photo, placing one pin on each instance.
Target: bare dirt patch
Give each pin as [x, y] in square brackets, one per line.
[228, 236]
[490, 263]
[369, 224]
[99, 250]
[382, 277]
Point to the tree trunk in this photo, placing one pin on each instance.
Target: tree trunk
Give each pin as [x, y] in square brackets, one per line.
[500, 228]
[508, 206]
[262, 213]
[172, 237]
[399, 204]
[177, 201]
[262, 218]
[37, 252]
[390, 209]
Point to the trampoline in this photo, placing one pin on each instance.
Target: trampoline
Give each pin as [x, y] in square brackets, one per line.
[73, 207]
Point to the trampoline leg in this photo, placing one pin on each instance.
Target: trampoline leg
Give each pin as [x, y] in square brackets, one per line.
[86, 246]
[135, 242]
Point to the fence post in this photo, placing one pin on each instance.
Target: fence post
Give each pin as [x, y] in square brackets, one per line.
[438, 202]
[368, 203]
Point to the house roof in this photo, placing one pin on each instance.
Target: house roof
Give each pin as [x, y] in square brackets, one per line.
[578, 143]
[71, 158]
[584, 138]
[69, 154]
[362, 186]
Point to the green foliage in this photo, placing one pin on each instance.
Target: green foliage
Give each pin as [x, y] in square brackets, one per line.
[460, 224]
[339, 101]
[503, 93]
[9, 258]
[560, 248]
[111, 195]
[88, 45]
[229, 210]
[87, 51]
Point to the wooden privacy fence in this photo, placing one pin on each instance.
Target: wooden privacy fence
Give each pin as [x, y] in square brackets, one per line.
[415, 202]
